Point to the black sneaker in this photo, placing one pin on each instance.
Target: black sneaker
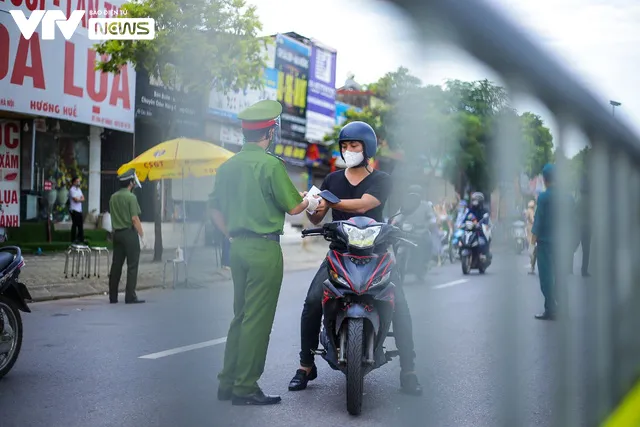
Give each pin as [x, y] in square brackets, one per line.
[409, 384]
[301, 379]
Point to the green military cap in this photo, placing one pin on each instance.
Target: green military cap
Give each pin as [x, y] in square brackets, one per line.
[130, 175]
[261, 115]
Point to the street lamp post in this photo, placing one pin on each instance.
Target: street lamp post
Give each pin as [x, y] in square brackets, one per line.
[614, 104]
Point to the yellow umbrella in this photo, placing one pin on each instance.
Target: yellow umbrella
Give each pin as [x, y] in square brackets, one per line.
[178, 158]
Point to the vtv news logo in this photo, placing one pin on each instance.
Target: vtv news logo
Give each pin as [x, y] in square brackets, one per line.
[98, 28]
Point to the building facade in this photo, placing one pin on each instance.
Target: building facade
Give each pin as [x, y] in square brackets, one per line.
[58, 117]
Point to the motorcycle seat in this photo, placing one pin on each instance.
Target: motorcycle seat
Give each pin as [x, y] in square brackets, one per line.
[6, 258]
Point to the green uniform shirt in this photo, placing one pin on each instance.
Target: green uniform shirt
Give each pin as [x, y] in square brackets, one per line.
[253, 192]
[123, 205]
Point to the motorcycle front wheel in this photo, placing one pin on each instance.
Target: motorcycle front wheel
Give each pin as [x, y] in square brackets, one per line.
[355, 372]
[465, 261]
[10, 335]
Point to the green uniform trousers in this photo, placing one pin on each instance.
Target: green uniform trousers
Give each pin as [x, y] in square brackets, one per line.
[126, 246]
[256, 270]
[548, 274]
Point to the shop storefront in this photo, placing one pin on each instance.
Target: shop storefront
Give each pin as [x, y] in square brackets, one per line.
[61, 107]
[162, 115]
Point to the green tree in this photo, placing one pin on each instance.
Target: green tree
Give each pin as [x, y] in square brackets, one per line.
[538, 144]
[199, 46]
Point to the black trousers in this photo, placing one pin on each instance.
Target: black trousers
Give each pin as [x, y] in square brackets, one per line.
[585, 241]
[311, 323]
[126, 245]
[77, 227]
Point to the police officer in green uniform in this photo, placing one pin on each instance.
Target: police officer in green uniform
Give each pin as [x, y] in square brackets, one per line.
[127, 233]
[543, 236]
[252, 193]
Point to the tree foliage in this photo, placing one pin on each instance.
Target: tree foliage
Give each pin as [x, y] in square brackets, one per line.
[199, 45]
[453, 127]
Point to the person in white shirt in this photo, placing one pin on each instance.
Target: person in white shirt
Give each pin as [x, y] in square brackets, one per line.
[75, 209]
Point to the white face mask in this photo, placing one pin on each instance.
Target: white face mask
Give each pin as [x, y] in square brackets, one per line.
[352, 159]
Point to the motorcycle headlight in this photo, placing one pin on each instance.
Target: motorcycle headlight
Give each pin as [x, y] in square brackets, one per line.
[469, 225]
[335, 276]
[381, 279]
[407, 227]
[361, 238]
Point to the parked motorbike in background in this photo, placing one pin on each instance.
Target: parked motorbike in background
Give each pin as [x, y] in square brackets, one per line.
[13, 297]
[412, 259]
[470, 250]
[454, 246]
[359, 297]
[519, 236]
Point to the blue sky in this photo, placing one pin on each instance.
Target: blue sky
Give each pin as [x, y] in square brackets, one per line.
[597, 40]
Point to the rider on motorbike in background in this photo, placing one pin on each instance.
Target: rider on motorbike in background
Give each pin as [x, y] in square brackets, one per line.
[478, 210]
[463, 210]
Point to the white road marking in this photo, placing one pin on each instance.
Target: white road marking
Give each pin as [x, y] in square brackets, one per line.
[212, 343]
[184, 349]
[455, 282]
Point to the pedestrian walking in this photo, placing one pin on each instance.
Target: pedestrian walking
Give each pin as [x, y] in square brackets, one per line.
[127, 236]
[543, 236]
[75, 210]
[251, 195]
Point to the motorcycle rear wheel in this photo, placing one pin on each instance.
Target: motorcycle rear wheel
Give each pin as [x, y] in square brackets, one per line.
[15, 343]
[355, 371]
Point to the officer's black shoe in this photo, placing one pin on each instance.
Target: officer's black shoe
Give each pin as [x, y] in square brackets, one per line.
[112, 301]
[301, 378]
[545, 316]
[135, 301]
[409, 384]
[256, 399]
[224, 394]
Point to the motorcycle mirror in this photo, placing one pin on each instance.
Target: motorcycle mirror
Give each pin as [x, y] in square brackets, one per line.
[410, 204]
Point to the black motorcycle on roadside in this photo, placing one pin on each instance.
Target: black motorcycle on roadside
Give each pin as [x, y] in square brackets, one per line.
[13, 299]
[359, 297]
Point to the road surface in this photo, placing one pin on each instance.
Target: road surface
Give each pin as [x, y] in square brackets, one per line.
[86, 363]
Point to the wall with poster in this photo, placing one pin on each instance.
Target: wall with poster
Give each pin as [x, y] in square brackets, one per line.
[292, 63]
[230, 104]
[292, 152]
[56, 78]
[321, 94]
[9, 173]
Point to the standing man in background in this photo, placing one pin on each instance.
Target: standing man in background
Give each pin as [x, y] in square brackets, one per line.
[585, 227]
[127, 235]
[75, 210]
[251, 195]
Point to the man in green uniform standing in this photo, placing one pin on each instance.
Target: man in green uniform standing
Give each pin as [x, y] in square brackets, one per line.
[543, 236]
[251, 196]
[127, 233]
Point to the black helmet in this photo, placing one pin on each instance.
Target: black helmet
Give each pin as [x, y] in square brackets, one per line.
[362, 132]
[415, 189]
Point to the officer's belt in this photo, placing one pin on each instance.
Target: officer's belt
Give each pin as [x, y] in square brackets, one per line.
[124, 229]
[249, 234]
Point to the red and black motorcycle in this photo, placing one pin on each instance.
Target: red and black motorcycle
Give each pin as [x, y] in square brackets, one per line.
[358, 299]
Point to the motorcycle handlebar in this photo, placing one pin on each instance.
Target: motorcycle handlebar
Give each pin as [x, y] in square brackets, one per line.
[312, 231]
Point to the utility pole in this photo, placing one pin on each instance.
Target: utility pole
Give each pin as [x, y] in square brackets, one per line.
[614, 104]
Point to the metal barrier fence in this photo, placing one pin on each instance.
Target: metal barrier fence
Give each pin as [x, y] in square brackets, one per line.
[598, 349]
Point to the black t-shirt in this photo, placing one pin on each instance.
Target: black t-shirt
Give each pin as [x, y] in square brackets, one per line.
[377, 184]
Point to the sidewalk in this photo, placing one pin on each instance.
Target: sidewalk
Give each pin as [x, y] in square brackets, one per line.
[44, 275]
